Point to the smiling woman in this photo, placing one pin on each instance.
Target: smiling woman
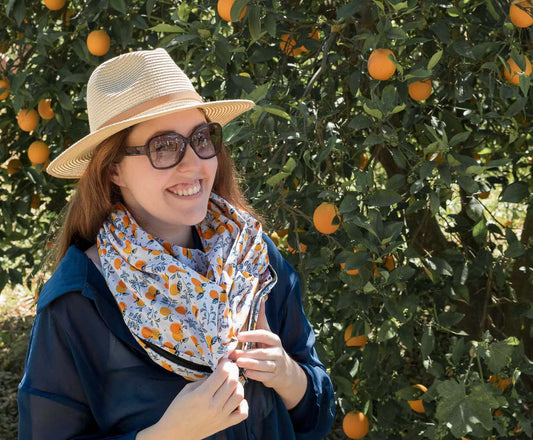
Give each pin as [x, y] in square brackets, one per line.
[156, 323]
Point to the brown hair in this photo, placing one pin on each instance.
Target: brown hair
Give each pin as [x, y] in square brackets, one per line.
[95, 195]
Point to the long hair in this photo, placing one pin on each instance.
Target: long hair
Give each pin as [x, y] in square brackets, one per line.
[95, 195]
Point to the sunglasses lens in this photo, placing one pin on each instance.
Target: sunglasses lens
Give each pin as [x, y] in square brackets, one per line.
[207, 140]
[165, 150]
[168, 149]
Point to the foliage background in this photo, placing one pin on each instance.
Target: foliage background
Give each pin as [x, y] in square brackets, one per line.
[456, 309]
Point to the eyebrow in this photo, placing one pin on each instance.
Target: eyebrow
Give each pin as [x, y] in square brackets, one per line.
[161, 132]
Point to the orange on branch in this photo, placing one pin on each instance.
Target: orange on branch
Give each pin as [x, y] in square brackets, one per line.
[417, 405]
[5, 88]
[224, 10]
[45, 109]
[287, 45]
[302, 248]
[389, 262]
[27, 120]
[380, 66]
[38, 152]
[520, 14]
[363, 161]
[512, 75]
[355, 425]
[323, 218]
[98, 42]
[349, 272]
[14, 166]
[420, 90]
[54, 5]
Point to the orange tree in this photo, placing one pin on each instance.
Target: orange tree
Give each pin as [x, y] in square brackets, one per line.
[420, 287]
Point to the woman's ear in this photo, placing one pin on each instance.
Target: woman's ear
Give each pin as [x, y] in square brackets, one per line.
[114, 174]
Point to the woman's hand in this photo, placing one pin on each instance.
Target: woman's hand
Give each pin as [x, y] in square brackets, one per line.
[269, 363]
[203, 407]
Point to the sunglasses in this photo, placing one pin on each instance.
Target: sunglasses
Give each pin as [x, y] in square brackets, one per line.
[168, 149]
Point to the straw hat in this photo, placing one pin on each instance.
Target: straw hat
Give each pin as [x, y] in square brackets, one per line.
[133, 88]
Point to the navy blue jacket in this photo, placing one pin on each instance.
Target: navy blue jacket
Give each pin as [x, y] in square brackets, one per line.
[87, 378]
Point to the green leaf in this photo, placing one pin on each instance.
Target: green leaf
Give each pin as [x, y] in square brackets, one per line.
[346, 11]
[428, 342]
[289, 166]
[373, 112]
[167, 28]
[19, 12]
[254, 21]
[384, 197]
[459, 137]
[515, 249]
[498, 356]
[119, 5]
[236, 9]
[386, 331]
[277, 112]
[276, 178]
[515, 192]
[435, 58]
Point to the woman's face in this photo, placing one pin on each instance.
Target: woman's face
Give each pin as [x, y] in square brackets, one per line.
[151, 194]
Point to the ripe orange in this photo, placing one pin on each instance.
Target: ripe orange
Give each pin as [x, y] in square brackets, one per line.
[497, 381]
[38, 152]
[224, 10]
[98, 42]
[349, 272]
[363, 161]
[14, 166]
[288, 43]
[45, 109]
[520, 14]
[357, 341]
[303, 248]
[389, 262]
[54, 5]
[5, 87]
[420, 90]
[27, 119]
[380, 66]
[417, 405]
[35, 201]
[512, 75]
[355, 425]
[323, 218]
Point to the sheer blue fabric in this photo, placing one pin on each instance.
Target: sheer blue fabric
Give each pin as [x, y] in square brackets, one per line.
[87, 378]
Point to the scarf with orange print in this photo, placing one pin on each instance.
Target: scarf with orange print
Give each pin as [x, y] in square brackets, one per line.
[184, 306]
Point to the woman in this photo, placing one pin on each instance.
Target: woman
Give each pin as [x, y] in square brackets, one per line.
[155, 323]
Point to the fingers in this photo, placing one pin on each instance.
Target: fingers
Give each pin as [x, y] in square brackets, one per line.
[234, 400]
[218, 377]
[261, 336]
[257, 365]
[240, 413]
[229, 386]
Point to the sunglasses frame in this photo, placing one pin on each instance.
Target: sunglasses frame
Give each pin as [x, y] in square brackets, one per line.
[144, 150]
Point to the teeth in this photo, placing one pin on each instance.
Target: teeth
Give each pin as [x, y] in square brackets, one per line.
[188, 192]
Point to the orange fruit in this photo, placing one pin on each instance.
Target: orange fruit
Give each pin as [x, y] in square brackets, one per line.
[357, 341]
[380, 66]
[98, 42]
[349, 272]
[355, 425]
[45, 109]
[439, 158]
[303, 248]
[497, 381]
[5, 87]
[35, 201]
[354, 387]
[417, 405]
[520, 14]
[483, 195]
[389, 262]
[54, 5]
[224, 10]
[323, 218]
[512, 75]
[287, 45]
[420, 90]
[38, 152]
[14, 166]
[363, 161]
[27, 119]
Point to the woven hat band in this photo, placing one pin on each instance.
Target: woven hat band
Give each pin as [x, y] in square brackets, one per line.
[152, 103]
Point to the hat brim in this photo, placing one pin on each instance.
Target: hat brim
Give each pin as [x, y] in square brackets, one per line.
[71, 163]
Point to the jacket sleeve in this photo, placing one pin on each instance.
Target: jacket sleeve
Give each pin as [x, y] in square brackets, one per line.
[51, 401]
[313, 416]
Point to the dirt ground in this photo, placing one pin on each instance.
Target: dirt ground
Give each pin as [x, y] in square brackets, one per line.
[16, 318]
